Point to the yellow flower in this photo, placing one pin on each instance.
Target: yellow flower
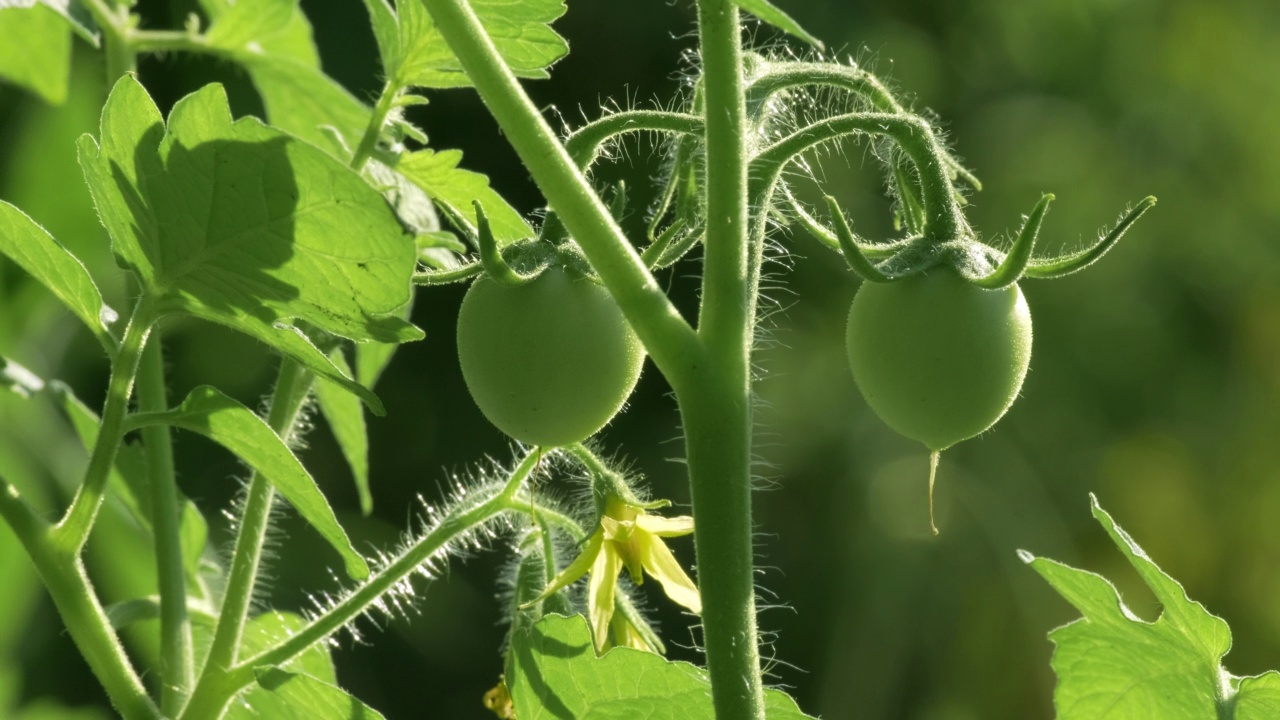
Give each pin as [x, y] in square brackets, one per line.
[631, 538]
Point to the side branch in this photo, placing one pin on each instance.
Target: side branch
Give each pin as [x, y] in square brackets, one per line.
[583, 145]
[944, 220]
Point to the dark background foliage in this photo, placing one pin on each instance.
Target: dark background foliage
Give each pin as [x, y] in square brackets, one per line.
[1155, 380]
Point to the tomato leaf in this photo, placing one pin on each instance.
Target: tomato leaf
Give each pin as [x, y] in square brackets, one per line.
[1111, 663]
[304, 689]
[553, 672]
[414, 53]
[35, 50]
[345, 416]
[241, 224]
[438, 174]
[769, 13]
[225, 421]
[44, 259]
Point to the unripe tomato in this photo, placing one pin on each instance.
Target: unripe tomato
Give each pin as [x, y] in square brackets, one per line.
[939, 359]
[549, 361]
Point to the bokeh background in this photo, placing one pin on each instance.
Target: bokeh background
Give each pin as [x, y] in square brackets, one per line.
[1155, 379]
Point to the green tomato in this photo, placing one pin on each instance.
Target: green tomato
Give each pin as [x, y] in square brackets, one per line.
[549, 361]
[939, 359]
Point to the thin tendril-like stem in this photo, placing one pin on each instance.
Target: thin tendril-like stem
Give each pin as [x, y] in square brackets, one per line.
[933, 474]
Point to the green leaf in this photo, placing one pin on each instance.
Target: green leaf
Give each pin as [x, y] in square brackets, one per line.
[225, 421]
[439, 176]
[553, 672]
[345, 416]
[240, 224]
[35, 50]
[269, 629]
[304, 689]
[282, 695]
[1113, 664]
[769, 13]
[73, 12]
[250, 21]
[44, 259]
[261, 28]
[520, 29]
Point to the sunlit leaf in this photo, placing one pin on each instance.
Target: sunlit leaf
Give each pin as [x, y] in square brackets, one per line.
[1113, 664]
[520, 29]
[209, 412]
[35, 50]
[438, 174]
[44, 259]
[304, 689]
[240, 224]
[553, 672]
[345, 416]
[770, 14]
[73, 12]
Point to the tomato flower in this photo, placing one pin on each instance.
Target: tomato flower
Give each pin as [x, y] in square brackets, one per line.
[631, 538]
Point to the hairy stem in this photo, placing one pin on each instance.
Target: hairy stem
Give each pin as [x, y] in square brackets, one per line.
[70, 534]
[373, 131]
[585, 142]
[176, 664]
[943, 220]
[665, 334]
[210, 698]
[716, 410]
[78, 607]
[292, 386]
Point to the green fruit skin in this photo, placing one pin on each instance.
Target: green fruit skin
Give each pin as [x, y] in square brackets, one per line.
[939, 359]
[549, 362]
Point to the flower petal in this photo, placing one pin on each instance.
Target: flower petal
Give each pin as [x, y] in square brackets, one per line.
[600, 590]
[661, 564]
[665, 526]
[575, 570]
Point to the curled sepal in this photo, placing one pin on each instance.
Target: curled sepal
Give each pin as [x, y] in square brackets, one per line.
[1015, 263]
[1075, 262]
[849, 246]
[491, 255]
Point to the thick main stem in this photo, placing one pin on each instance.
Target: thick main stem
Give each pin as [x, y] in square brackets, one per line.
[716, 409]
[176, 663]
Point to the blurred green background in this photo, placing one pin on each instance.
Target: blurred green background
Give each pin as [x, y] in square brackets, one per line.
[1155, 378]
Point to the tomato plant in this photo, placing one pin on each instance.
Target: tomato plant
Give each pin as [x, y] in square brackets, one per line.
[309, 231]
[939, 359]
[549, 360]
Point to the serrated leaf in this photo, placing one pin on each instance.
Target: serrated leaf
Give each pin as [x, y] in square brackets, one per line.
[46, 260]
[1113, 664]
[553, 672]
[35, 50]
[345, 416]
[209, 412]
[520, 29]
[439, 176]
[304, 689]
[386, 31]
[241, 224]
[770, 14]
